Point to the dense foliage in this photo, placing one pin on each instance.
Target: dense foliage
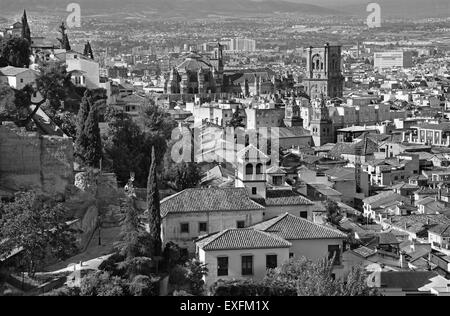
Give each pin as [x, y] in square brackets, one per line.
[37, 226]
[317, 279]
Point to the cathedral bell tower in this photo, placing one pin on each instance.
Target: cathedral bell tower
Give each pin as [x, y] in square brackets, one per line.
[321, 125]
[324, 74]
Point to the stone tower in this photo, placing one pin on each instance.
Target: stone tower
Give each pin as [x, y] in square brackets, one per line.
[251, 167]
[324, 74]
[321, 126]
[292, 116]
[217, 63]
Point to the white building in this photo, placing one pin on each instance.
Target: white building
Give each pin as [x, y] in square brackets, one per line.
[17, 78]
[196, 212]
[390, 59]
[241, 254]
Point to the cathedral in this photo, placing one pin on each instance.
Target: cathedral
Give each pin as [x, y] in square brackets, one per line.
[323, 72]
[195, 75]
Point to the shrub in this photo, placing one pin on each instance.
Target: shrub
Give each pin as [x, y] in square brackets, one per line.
[251, 288]
[143, 285]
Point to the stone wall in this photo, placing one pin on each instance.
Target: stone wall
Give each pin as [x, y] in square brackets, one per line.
[30, 161]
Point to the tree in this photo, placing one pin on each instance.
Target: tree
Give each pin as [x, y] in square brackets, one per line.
[26, 33]
[158, 126]
[143, 285]
[236, 120]
[196, 270]
[101, 283]
[64, 40]
[183, 175]
[127, 148]
[52, 83]
[316, 279]
[93, 144]
[83, 113]
[7, 106]
[132, 230]
[333, 212]
[88, 51]
[37, 225]
[153, 208]
[67, 122]
[15, 52]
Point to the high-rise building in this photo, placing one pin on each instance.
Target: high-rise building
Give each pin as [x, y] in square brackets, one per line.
[242, 45]
[390, 59]
[324, 75]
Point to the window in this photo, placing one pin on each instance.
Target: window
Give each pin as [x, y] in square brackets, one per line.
[271, 261]
[222, 266]
[277, 180]
[254, 191]
[240, 224]
[334, 251]
[249, 169]
[184, 227]
[247, 265]
[304, 214]
[202, 227]
[259, 168]
[291, 255]
[21, 80]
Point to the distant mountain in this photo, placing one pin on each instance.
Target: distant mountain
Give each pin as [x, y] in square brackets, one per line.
[389, 8]
[171, 7]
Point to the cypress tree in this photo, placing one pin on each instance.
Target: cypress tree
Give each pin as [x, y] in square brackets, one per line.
[153, 208]
[64, 40]
[83, 113]
[26, 33]
[93, 142]
[88, 51]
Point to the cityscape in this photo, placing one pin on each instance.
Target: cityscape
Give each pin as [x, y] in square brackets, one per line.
[238, 148]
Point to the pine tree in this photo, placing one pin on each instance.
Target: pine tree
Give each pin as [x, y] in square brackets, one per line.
[83, 113]
[26, 33]
[153, 207]
[88, 51]
[93, 149]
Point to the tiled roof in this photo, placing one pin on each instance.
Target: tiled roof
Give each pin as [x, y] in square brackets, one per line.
[242, 239]
[275, 170]
[285, 197]
[209, 200]
[441, 230]
[12, 71]
[419, 222]
[364, 251]
[384, 198]
[291, 227]
[387, 239]
[406, 280]
[341, 173]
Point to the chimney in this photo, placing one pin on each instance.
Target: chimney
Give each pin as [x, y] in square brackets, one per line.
[403, 263]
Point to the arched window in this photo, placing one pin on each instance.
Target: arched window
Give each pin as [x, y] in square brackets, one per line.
[259, 168]
[249, 169]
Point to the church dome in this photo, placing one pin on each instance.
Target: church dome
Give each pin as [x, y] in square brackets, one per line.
[194, 62]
